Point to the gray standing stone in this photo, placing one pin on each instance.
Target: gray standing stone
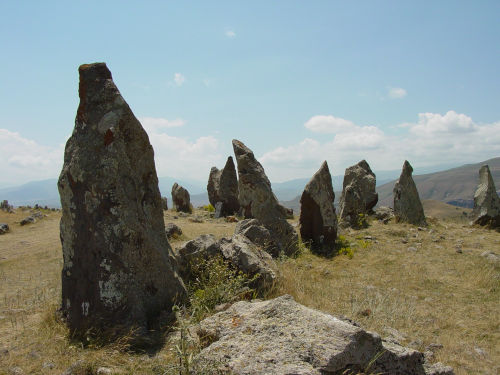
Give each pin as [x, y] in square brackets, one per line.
[223, 187]
[407, 205]
[486, 201]
[358, 194]
[118, 267]
[280, 336]
[218, 210]
[258, 201]
[164, 203]
[181, 199]
[318, 220]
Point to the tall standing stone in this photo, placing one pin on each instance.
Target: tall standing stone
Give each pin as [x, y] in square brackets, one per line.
[318, 220]
[223, 187]
[258, 201]
[358, 194]
[118, 267]
[486, 201]
[407, 205]
[181, 198]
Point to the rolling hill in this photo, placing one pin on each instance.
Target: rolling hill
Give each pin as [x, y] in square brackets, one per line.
[454, 186]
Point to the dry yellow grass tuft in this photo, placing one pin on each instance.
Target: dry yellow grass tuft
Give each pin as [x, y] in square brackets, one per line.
[409, 284]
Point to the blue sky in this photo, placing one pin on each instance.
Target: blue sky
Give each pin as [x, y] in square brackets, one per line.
[298, 82]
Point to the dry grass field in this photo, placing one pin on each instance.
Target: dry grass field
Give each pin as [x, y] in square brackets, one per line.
[408, 284]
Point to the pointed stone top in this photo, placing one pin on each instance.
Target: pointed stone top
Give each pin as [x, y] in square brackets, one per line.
[485, 175]
[229, 163]
[407, 168]
[364, 164]
[240, 148]
[324, 165]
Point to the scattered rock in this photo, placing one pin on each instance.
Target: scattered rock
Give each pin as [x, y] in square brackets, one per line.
[491, 256]
[196, 219]
[257, 200]
[318, 220]
[28, 220]
[407, 205]
[480, 351]
[104, 371]
[414, 249]
[384, 214]
[78, 368]
[119, 270]
[181, 199]
[280, 336]
[231, 219]
[16, 371]
[49, 365]
[223, 187]
[358, 194]
[172, 230]
[486, 210]
[202, 247]
[4, 228]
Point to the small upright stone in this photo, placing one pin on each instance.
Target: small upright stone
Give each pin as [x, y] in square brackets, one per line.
[358, 194]
[164, 203]
[181, 199]
[407, 205]
[486, 201]
[318, 220]
[119, 270]
[258, 201]
[223, 187]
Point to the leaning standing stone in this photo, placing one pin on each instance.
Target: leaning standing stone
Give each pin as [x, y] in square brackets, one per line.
[258, 201]
[181, 198]
[318, 221]
[118, 268]
[407, 205]
[486, 201]
[358, 194]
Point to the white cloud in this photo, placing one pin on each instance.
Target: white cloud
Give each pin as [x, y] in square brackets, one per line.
[328, 124]
[396, 93]
[179, 79]
[435, 139]
[150, 123]
[230, 34]
[24, 160]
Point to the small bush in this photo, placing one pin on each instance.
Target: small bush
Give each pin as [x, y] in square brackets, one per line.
[209, 208]
[215, 282]
[343, 247]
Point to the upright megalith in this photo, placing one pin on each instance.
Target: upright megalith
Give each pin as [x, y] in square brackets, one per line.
[118, 270]
[258, 201]
[358, 195]
[318, 220]
[486, 201]
[181, 198]
[223, 187]
[407, 205]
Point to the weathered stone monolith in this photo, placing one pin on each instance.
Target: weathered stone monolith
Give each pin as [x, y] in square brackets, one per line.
[318, 221]
[181, 198]
[407, 205]
[358, 195]
[486, 201]
[258, 201]
[223, 187]
[118, 270]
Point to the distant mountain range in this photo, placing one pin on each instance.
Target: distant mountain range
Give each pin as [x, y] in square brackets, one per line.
[455, 186]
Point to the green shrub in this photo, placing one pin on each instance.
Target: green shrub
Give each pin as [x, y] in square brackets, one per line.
[209, 208]
[343, 247]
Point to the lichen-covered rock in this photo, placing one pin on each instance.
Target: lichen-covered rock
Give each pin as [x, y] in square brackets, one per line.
[181, 198]
[118, 269]
[407, 205]
[190, 252]
[486, 201]
[258, 201]
[280, 336]
[358, 194]
[222, 188]
[257, 234]
[318, 221]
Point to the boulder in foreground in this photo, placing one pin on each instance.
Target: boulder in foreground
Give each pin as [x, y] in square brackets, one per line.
[281, 336]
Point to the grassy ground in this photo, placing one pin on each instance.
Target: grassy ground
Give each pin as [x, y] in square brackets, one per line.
[402, 282]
